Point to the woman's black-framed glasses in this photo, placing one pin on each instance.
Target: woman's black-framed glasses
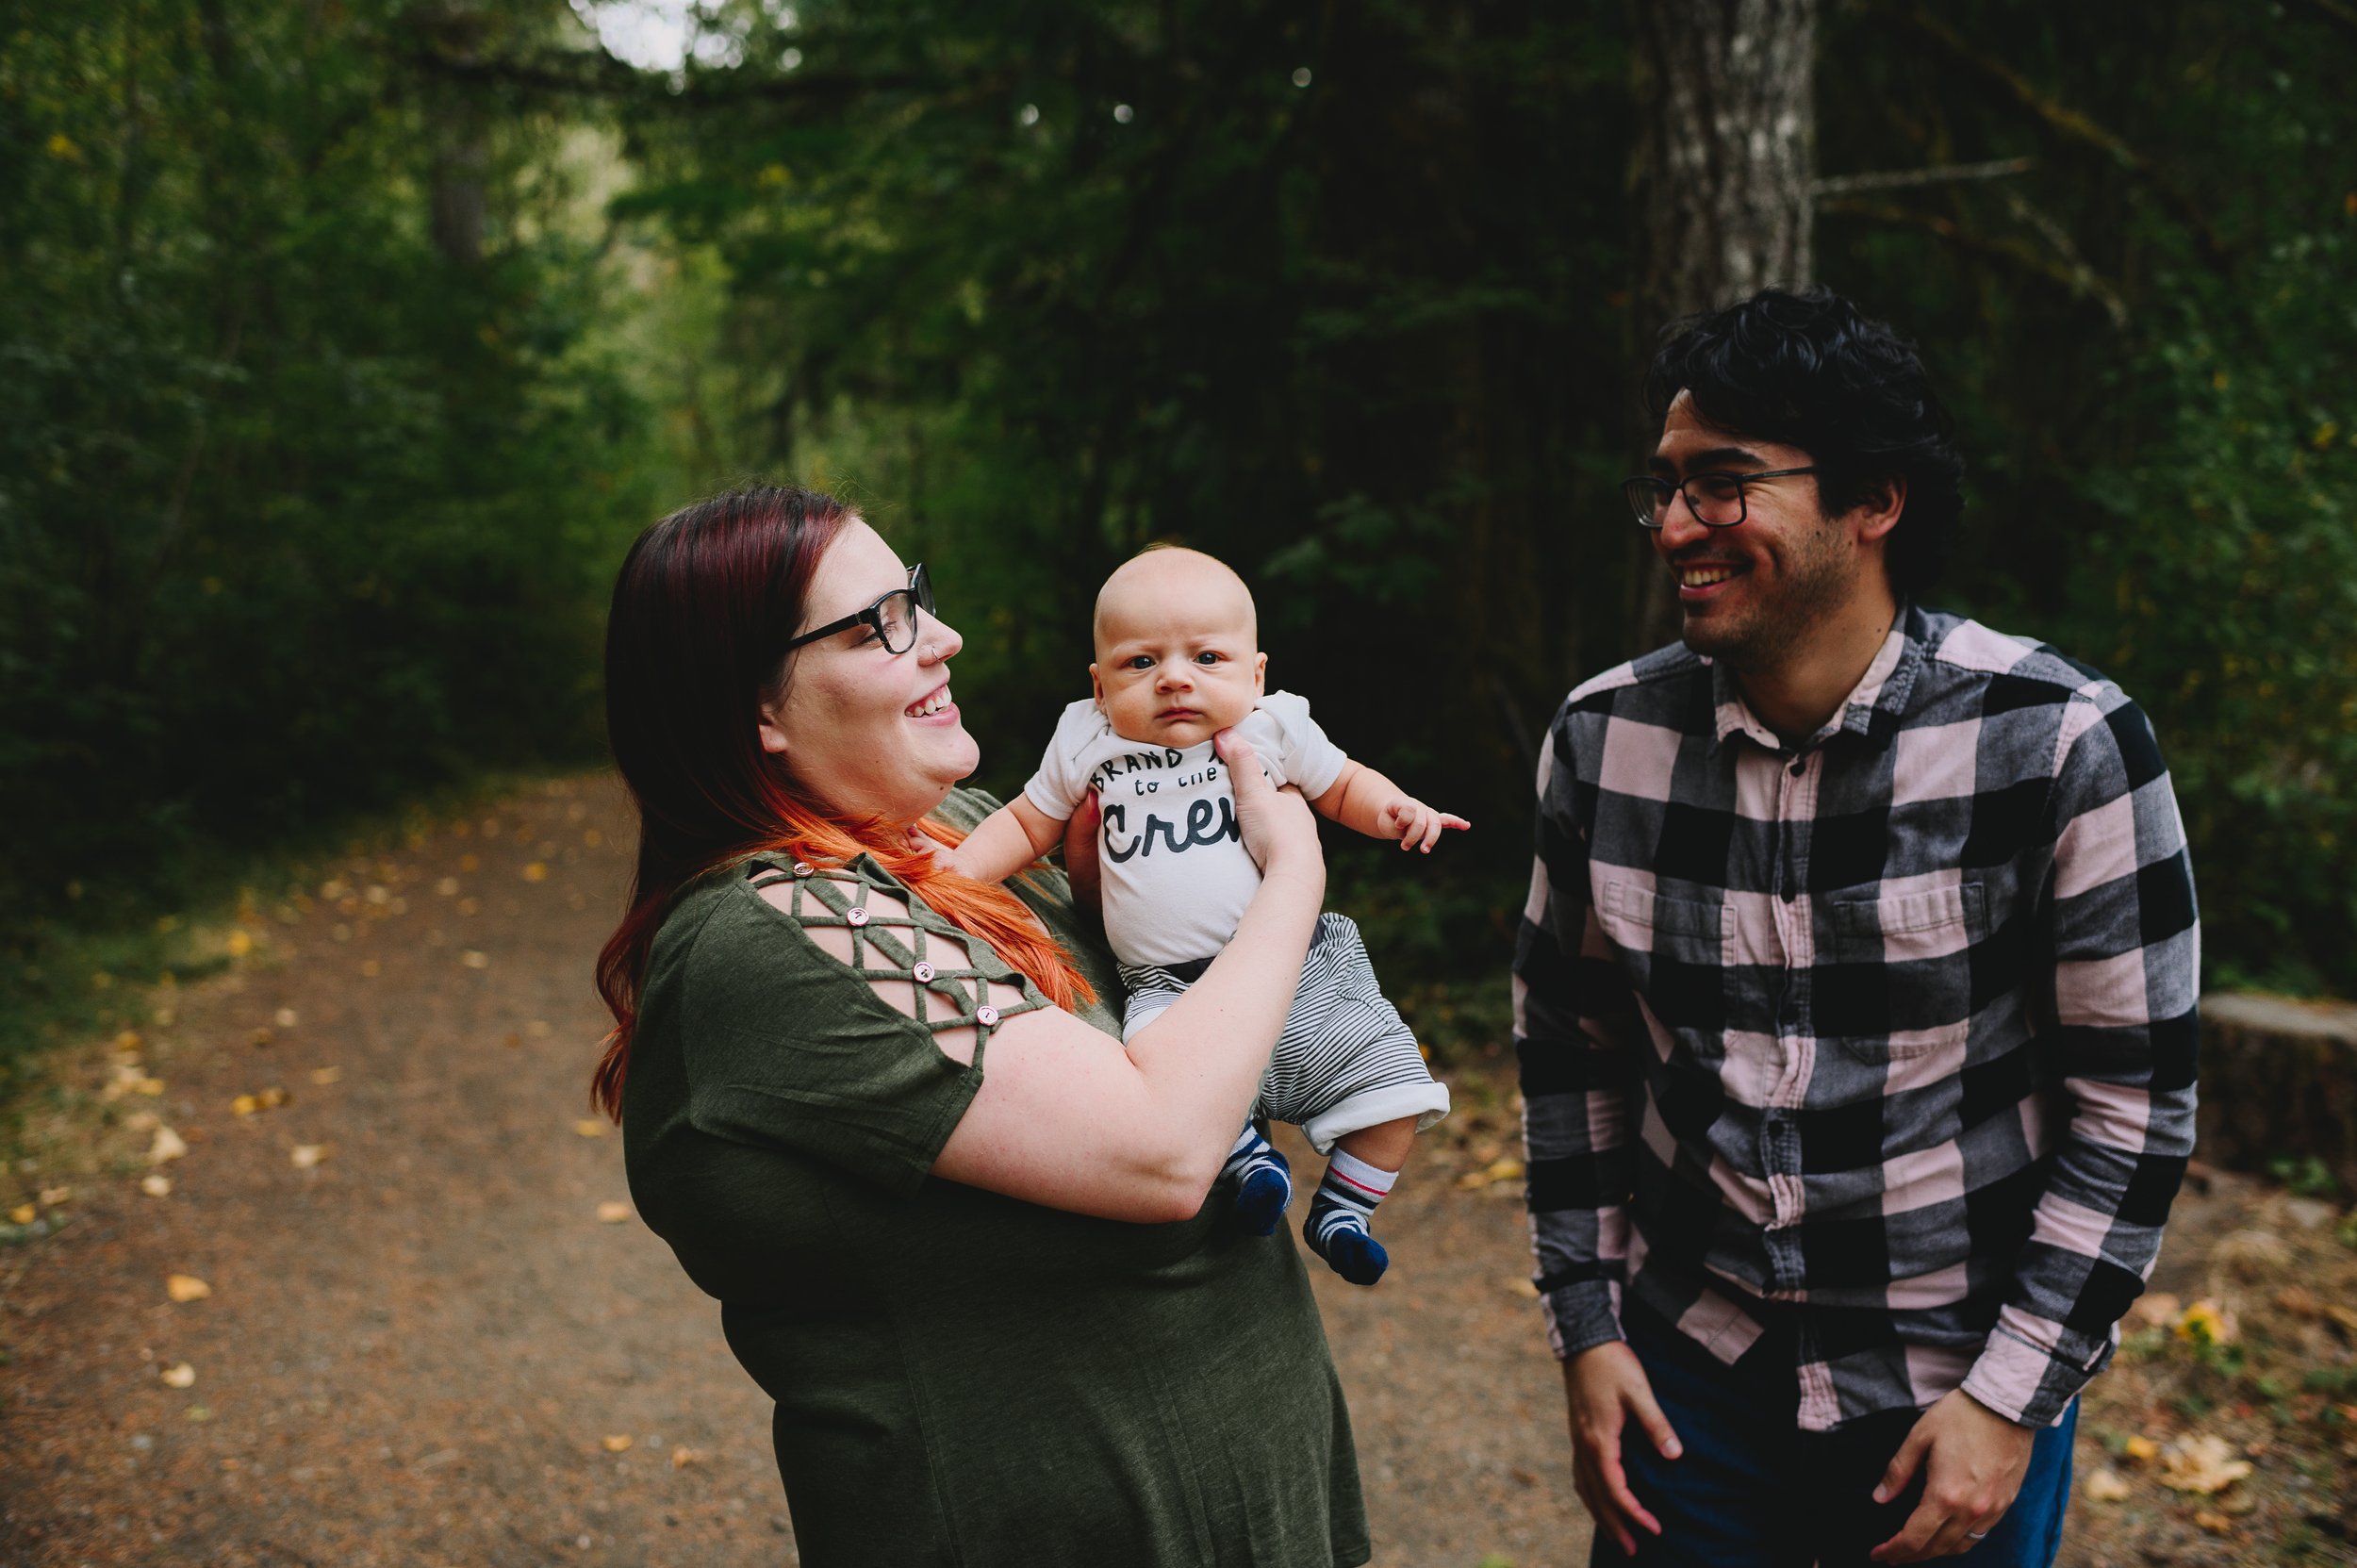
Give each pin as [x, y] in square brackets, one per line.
[1717, 499]
[893, 618]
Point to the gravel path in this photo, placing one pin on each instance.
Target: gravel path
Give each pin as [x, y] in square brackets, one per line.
[426, 1346]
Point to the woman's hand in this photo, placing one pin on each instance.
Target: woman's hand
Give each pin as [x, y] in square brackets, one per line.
[1280, 830]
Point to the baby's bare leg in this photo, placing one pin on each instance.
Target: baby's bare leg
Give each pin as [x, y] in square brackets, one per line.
[1365, 1165]
[1384, 1145]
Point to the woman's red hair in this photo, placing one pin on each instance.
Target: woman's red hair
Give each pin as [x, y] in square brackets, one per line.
[704, 605]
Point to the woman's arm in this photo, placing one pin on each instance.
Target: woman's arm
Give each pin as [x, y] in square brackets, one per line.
[1363, 800]
[1067, 1118]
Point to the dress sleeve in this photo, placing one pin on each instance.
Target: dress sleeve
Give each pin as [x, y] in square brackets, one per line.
[1306, 759]
[789, 1046]
[1057, 787]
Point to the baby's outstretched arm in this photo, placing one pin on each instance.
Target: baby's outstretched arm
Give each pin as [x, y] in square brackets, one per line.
[1362, 798]
[1006, 841]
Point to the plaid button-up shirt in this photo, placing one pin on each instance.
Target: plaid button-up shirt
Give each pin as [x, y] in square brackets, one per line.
[1889, 1035]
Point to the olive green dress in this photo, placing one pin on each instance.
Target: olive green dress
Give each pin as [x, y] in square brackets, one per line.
[960, 1378]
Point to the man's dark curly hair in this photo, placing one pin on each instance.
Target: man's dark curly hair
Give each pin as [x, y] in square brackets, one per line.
[1808, 371]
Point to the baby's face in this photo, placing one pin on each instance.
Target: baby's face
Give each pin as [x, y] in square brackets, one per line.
[1176, 655]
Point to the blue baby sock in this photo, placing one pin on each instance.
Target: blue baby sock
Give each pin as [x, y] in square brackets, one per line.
[1264, 1183]
[1337, 1227]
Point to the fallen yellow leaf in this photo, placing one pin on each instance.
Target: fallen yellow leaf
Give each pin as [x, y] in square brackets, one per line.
[182, 1376]
[24, 1214]
[128, 1040]
[1523, 1288]
[327, 1075]
[1505, 1170]
[245, 1105]
[475, 959]
[2204, 1464]
[167, 1145]
[2208, 1323]
[2105, 1486]
[151, 1087]
[589, 1127]
[240, 944]
[2216, 1523]
[536, 871]
[157, 1185]
[447, 888]
[285, 1017]
[617, 1443]
[185, 1287]
[2140, 1448]
[682, 1457]
[55, 1195]
[611, 1212]
[1472, 1181]
[2342, 1316]
[2154, 1310]
[304, 1156]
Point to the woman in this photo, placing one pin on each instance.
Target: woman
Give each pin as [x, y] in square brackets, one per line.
[958, 1232]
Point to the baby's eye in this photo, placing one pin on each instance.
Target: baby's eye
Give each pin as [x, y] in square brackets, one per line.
[1209, 656]
[1141, 660]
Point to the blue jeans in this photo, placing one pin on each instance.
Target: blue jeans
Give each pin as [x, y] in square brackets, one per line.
[1753, 1491]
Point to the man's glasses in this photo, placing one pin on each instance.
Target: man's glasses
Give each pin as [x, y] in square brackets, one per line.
[1717, 499]
[893, 618]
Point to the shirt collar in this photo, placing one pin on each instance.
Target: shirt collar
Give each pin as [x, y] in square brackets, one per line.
[1872, 710]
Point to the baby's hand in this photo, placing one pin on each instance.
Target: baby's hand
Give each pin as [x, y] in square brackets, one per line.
[924, 844]
[1416, 825]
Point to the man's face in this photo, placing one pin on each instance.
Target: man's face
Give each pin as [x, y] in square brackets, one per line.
[1751, 593]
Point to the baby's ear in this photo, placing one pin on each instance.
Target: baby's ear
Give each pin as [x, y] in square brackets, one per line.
[1260, 674]
[1096, 687]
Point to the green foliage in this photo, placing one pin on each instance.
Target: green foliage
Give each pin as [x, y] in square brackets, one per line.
[312, 463]
[2305, 1175]
[2147, 339]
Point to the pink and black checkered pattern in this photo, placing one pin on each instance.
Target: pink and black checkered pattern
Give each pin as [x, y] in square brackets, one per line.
[1892, 1032]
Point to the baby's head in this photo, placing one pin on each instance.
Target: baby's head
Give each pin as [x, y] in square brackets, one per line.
[1177, 648]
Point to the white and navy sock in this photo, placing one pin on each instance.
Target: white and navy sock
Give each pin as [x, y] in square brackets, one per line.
[1337, 1229]
[1264, 1182]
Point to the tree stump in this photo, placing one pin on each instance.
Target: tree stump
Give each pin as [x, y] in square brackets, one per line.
[2279, 1077]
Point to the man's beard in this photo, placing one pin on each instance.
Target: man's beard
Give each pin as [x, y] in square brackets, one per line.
[1819, 579]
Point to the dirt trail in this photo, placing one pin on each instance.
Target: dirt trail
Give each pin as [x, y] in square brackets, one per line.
[423, 1348]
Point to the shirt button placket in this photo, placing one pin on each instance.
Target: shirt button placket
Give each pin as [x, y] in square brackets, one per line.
[1779, 1131]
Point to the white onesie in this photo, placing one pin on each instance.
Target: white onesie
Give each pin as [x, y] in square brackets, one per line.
[1177, 877]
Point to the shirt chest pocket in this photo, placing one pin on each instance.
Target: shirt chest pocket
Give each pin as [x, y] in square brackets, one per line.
[1903, 928]
[1687, 930]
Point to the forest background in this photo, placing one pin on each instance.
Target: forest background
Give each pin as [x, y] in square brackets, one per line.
[345, 344]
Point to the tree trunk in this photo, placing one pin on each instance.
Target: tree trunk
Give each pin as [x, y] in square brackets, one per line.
[1724, 155]
[457, 199]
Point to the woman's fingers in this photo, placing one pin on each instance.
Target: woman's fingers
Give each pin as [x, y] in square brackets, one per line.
[1278, 824]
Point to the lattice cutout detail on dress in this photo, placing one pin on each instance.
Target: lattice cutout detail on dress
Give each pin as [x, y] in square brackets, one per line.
[887, 944]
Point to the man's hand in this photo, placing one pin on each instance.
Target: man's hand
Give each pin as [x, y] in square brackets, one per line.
[1416, 825]
[1975, 1460]
[1604, 1386]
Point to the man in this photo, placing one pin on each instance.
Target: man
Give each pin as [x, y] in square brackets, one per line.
[1854, 999]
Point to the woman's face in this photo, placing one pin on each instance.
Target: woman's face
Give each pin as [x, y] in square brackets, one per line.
[867, 732]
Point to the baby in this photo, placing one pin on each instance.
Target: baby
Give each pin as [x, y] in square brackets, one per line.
[1178, 661]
